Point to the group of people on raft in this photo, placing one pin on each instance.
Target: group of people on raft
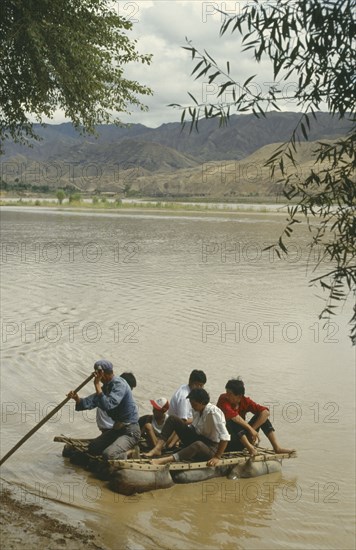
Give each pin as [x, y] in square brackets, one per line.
[188, 428]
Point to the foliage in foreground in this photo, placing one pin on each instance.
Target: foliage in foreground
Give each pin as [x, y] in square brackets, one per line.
[313, 43]
[67, 55]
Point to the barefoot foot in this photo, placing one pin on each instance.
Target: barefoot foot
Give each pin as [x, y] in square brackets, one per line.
[151, 454]
[282, 450]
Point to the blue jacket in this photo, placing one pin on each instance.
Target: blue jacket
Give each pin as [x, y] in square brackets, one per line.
[116, 400]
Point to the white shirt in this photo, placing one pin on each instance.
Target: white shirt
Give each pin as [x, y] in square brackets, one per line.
[158, 427]
[211, 423]
[103, 420]
[179, 404]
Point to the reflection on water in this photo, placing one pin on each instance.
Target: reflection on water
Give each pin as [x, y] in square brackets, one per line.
[159, 295]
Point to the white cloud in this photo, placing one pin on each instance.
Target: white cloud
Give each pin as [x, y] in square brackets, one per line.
[160, 26]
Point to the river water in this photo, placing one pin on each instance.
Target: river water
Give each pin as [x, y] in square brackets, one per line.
[160, 294]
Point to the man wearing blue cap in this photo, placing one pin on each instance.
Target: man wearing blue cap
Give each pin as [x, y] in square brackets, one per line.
[112, 395]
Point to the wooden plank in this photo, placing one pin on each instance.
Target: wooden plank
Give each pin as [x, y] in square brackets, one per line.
[70, 441]
[145, 464]
[229, 459]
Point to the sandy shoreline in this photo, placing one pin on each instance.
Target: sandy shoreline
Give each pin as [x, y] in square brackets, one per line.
[25, 525]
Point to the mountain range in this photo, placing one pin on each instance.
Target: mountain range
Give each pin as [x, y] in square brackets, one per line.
[164, 161]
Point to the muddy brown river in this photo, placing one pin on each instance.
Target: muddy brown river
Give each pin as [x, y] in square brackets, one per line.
[159, 294]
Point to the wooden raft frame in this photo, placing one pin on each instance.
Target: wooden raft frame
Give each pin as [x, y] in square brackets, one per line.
[229, 459]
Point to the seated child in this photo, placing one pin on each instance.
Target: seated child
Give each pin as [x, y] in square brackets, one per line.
[151, 424]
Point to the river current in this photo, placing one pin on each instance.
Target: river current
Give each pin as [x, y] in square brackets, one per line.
[159, 294]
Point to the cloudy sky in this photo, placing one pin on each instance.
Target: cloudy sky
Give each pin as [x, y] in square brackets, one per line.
[161, 28]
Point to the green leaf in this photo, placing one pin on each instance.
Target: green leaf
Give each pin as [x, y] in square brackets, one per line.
[248, 80]
[304, 131]
[213, 76]
[224, 86]
[282, 246]
[211, 59]
[193, 98]
[197, 67]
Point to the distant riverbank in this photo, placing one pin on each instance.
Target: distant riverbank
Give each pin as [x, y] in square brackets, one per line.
[104, 204]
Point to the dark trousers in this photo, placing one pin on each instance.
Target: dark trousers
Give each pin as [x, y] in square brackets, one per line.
[237, 431]
[113, 444]
[195, 445]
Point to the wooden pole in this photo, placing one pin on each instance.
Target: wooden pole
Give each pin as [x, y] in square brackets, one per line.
[44, 420]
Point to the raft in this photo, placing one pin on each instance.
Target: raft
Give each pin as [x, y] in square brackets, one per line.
[139, 475]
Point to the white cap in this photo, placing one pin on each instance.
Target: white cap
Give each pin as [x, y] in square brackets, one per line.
[161, 404]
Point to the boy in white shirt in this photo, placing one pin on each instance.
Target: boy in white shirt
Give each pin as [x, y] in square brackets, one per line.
[205, 438]
[179, 405]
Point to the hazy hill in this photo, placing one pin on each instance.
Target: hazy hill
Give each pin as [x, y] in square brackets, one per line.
[242, 136]
[224, 179]
[126, 153]
[165, 160]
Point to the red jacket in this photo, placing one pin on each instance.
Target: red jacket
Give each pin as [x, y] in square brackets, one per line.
[246, 406]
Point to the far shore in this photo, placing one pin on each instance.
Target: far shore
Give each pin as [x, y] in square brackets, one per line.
[148, 205]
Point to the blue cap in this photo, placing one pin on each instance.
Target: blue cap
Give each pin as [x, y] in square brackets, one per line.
[103, 365]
